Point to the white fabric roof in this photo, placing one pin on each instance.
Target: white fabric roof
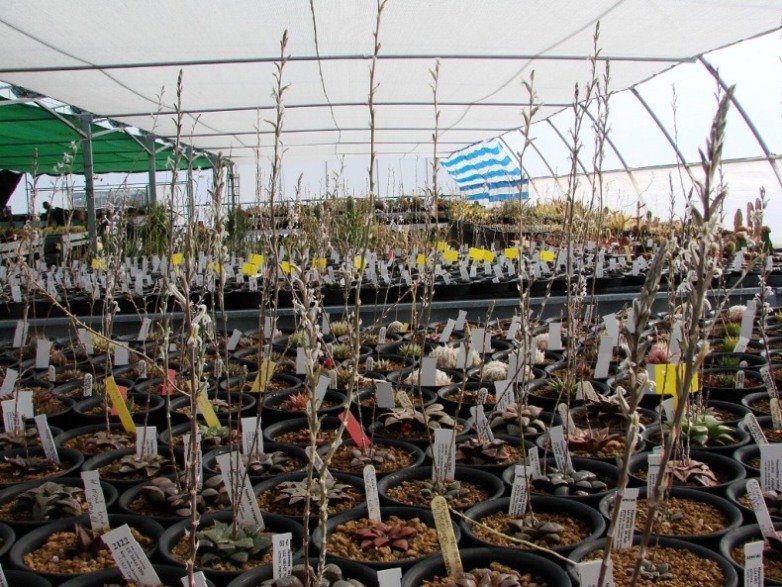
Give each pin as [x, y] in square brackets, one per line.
[121, 60]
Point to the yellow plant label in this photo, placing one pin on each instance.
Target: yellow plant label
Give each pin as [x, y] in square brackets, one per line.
[286, 267]
[249, 269]
[420, 259]
[265, 373]
[177, 258]
[405, 327]
[444, 526]
[442, 246]
[319, 263]
[98, 264]
[205, 407]
[511, 253]
[257, 260]
[666, 378]
[213, 267]
[475, 254]
[547, 256]
[118, 403]
[358, 262]
[451, 256]
[488, 256]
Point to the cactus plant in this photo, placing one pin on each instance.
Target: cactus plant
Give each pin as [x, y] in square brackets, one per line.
[441, 378]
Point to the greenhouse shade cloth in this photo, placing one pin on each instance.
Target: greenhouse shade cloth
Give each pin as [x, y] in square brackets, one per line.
[33, 140]
[486, 171]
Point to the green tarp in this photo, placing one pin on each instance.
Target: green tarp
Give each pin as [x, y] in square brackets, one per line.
[26, 129]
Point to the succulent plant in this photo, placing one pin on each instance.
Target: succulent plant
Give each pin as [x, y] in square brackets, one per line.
[295, 402]
[561, 387]
[263, 464]
[214, 436]
[47, 403]
[303, 576]
[88, 541]
[706, 430]
[30, 464]
[345, 376]
[519, 419]
[692, 473]
[531, 529]
[371, 455]
[26, 437]
[297, 339]
[223, 543]
[773, 499]
[395, 536]
[445, 355]
[395, 327]
[475, 452]
[165, 494]
[341, 351]
[148, 466]
[411, 349]
[450, 490]
[236, 370]
[496, 576]
[293, 492]
[496, 370]
[406, 420]
[49, 501]
[735, 313]
[658, 354]
[654, 572]
[595, 440]
[339, 327]
[102, 441]
[569, 482]
[441, 378]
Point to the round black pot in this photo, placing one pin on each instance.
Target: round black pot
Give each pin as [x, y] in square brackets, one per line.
[63, 437]
[487, 481]
[152, 410]
[23, 526]
[543, 444]
[27, 579]
[730, 394]
[731, 577]
[367, 395]
[238, 384]
[276, 524]
[450, 394]
[71, 462]
[350, 570]
[751, 399]
[720, 464]
[711, 539]
[652, 437]
[416, 452]
[550, 403]
[210, 459]
[106, 458]
[167, 574]
[744, 455]
[540, 504]
[753, 360]
[404, 513]
[606, 472]
[398, 379]
[272, 431]
[35, 538]
[376, 430]
[739, 536]
[738, 411]
[523, 562]
[273, 412]
[243, 405]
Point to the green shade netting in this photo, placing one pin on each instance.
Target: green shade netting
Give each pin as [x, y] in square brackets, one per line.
[26, 129]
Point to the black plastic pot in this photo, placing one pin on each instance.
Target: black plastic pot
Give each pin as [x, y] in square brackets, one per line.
[22, 527]
[490, 483]
[368, 395]
[416, 453]
[450, 394]
[404, 513]
[544, 445]
[274, 412]
[752, 399]
[350, 570]
[27, 579]
[35, 538]
[524, 562]
[70, 461]
[740, 536]
[63, 437]
[731, 577]
[744, 455]
[275, 524]
[272, 431]
[210, 459]
[540, 504]
[242, 405]
[238, 384]
[730, 394]
[754, 360]
[711, 539]
[728, 467]
[151, 412]
[652, 437]
[106, 458]
[167, 574]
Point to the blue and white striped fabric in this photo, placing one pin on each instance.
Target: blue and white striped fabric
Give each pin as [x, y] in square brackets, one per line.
[486, 171]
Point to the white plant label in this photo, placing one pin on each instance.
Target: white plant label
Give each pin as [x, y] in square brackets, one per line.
[12, 420]
[630, 320]
[47, 440]
[52, 375]
[233, 342]
[3, 579]
[570, 426]
[612, 328]
[282, 558]
[480, 340]
[121, 356]
[96, 503]
[143, 332]
[252, 437]
[20, 334]
[389, 577]
[320, 390]
[513, 329]
[604, 354]
[559, 448]
[589, 573]
[482, 427]
[146, 440]
[11, 375]
[384, 395]
[444, 455]
[753, 564]
[675, 343]
[761, 510]
[504, 392]
[324, 324]
[141, 367]
[252, 283]
[370, 490]
[461, 357]
[447, 330]
[429, 371]
[555, 336]
[404, 401]
[771, 466]
[652, 472]
[768, 381]
[519, 496]
[86, 390]
[301, 361]
[42, 347]
[669, 407]
[533, 461]
[460, 318]
[776, 413]
[740, 378]
[747, 319]
[24, 403]
[754, 428]
[268, 327]
[318, 464]
[625, 527]
[129, 556]
[235, 478]
[85, 338]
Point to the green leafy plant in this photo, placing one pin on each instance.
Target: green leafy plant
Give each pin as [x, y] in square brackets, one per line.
[706, 430]
[450, 490]
[222, 542]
